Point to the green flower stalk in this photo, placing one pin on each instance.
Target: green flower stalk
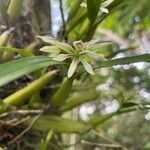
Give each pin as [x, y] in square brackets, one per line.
[14, 10]
[74, 9]
[59, 125]
[4, 37]
[19, 96]
[60, 97]
[78, 99]
[79, 53]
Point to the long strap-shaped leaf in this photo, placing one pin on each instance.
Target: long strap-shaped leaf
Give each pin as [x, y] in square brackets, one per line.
[93, 9]
[125, 60]
[17, 68]
[96, 119]
[59, 125]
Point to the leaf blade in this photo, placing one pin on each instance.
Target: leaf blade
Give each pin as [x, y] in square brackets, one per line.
[125, 60]
[93, 9]
[14, 69]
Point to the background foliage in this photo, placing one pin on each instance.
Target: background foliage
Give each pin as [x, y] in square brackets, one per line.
[43, 104]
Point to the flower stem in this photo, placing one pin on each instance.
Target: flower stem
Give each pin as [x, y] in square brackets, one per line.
[20, 96]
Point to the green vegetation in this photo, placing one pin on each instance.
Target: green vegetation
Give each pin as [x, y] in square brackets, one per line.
[97, 61]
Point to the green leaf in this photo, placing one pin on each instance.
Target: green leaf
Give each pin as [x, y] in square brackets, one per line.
[99, 119]
[128, 104]
[72, 67]
[96, 120]
[116, 4]
[59, 125]
[74, 9]
[125, 60]
[93, 7]
[77, 22]
[14, 69]
[21, 51]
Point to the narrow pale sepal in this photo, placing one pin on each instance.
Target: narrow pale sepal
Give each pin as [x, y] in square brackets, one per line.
[63, 46]
[48, 39]
[53, 55]
[61, 57]
[97, 47]
[95, 55]
[106, 3]
[105, 10]
[49, 49]
[87, 67]
[72, 67]
[84, 5]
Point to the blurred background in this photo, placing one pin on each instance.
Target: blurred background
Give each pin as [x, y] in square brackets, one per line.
[128, 31]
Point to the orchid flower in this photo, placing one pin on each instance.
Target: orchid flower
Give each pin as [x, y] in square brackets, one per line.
[80, 52]
[102, 7]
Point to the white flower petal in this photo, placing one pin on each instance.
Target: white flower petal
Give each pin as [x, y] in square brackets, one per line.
[61, 57]
[72, 67]
[105, 10]
[97, 47]
[106, 3]
[83, 5]
[90, 54]
[93, 41]
[87, 67]
[63, 46]
[53, 55]
[48, 39]
[49, 49]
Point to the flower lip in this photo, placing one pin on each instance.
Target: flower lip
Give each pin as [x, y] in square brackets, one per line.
[78, 45]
